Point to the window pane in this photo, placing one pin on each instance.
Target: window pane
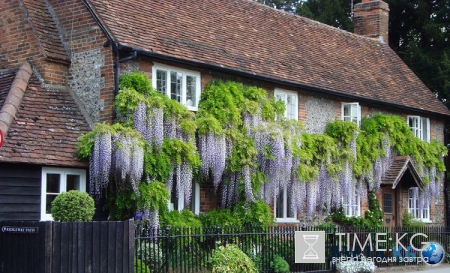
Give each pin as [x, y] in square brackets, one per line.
[73, 182]
[176, 80]
[347, 111]
[161, 81]
[387, 202]
[280, 205]
[53, 182]
[424, 135]
[191, 90]
[48, 203]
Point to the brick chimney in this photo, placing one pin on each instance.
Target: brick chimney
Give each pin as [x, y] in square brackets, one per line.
[371, 19]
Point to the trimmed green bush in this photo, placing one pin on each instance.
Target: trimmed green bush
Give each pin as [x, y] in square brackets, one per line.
[279, 265]
[73, 206]
[231, 259]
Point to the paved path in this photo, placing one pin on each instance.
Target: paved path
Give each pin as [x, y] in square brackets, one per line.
[442, 268]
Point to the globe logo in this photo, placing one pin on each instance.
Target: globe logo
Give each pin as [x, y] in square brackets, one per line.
[433, 253]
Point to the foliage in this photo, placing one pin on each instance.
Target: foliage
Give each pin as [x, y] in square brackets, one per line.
[140, 267]
[218, 217]
[408, 220]
[150, 254]
[152, 196]
[338, 216]
[243, 213]
[136, 80]
[249, 151]
[279, 265]
[253, 213]
[73, 206]
[335, 13]
[185, 218]
[230, 259]
[373, 215]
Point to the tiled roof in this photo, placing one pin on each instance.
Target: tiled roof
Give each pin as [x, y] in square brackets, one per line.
[248, 37]
[396, 171]
[46, 30]
[45, 128]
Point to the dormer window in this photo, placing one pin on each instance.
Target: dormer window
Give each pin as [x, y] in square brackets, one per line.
[351, 112]
[178, 84]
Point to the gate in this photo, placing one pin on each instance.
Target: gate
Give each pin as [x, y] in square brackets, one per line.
[22, 246]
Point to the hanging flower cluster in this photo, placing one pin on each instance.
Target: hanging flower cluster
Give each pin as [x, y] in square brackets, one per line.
[169, 130]
[250, 151]
[116, 153]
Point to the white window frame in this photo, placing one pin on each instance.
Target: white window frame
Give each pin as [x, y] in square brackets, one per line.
[285, 218]
[355, 112]
[290, 112]
[184, 73]
[195, 201]
[350, 209]
[63, 172]
[420, 127]
[414, 209]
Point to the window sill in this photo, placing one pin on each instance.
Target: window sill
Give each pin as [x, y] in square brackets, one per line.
[287, 220]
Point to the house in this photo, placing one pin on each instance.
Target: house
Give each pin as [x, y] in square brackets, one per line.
[79, 47]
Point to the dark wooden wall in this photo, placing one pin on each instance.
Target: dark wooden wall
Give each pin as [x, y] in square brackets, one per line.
[20, 192]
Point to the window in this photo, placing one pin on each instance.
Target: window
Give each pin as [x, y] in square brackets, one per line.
[290, 99]
[351, 112]
[420, 127]
[56, 181]
[351, 205]
[282, 208]
[387, 203]
[414, 207]
[178, 203]
[178, 84]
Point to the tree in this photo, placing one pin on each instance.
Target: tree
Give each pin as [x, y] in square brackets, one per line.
[335, 13]
[419, 33]
[286, 5]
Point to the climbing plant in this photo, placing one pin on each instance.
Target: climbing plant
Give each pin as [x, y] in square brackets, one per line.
[240, 140]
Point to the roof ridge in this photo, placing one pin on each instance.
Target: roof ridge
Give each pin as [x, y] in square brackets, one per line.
[15, 95]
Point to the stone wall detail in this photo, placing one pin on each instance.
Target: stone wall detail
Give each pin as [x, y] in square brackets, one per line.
[87, 81]
[319, 111]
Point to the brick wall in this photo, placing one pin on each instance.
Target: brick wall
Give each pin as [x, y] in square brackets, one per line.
[371, 18]
[91, 73]
[18, 41]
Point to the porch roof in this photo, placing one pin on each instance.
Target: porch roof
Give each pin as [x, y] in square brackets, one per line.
[398, 168]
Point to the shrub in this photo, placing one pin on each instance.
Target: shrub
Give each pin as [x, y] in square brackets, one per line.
[218, 217]
[185, 218]
[231, 259]
[149, 253]
[140, 267]
[279, 265]
[73, 206]
[253, 213]
[409, 221]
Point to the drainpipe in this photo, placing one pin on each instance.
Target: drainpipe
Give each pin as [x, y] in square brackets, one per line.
[117, 67]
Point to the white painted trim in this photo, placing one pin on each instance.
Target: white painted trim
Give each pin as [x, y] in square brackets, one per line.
[63, 172]
[184, 72]
[279, 91]
[357, 114]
